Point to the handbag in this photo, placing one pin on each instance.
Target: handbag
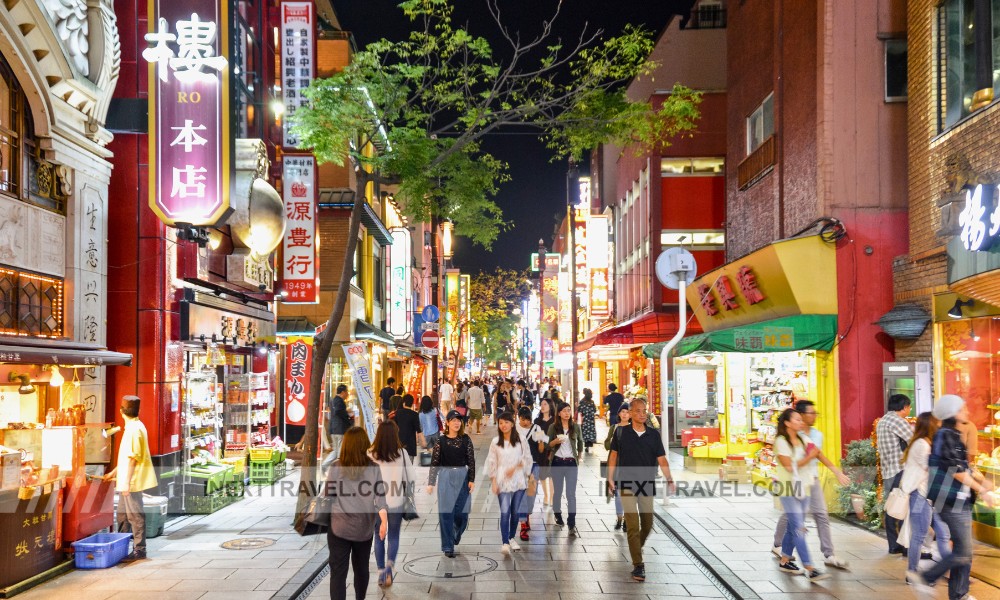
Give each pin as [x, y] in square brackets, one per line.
[409, 503]
[897, 504]
[532, 487]
[315, 519]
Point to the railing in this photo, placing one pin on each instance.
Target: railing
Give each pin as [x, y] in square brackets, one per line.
[709, 16]
[754, 167]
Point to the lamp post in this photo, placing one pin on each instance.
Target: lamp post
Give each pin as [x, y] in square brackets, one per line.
[541, 310]
[572, 183]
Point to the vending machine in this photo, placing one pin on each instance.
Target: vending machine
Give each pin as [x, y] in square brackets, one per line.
[912, 379]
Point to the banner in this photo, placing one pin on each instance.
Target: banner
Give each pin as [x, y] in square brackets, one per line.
[357, 361]
[415, 379]
[400, 287]
[298, 250]
[297, 24]
[297, 373]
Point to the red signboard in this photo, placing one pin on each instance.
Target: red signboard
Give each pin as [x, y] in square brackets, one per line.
[415, 378]
[430, 339]
[188, 111]
[299, 273]
[297, 372]
[297, 24]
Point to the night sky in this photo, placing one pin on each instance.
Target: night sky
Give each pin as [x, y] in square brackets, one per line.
[536, 195]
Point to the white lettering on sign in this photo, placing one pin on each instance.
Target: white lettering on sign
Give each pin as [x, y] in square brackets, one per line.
[978, 230]
[187, 135]
[188, 182]
[195, 41]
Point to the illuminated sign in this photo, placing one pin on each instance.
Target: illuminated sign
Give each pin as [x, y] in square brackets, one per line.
[189, 138]
[551, 261]
[565, 310]
[980, 219]
[400, 290]
[584, 203]
[464, 285]
[580, 250]
[299, 369]
[297, 24]
[299, 275]
[598, 261]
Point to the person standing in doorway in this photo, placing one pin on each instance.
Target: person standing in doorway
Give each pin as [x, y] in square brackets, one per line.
[340, 421]
[475, 400]
[565, 447]
[385, 396]
[508, 464]
[453, 471]
[817, 502]
[613, 401]
[137, 476]
[446, 393]
[636, 452]
[894, 433]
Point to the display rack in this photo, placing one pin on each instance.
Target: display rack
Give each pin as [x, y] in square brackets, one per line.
[201, 415]
[261, 405]
[236, 416]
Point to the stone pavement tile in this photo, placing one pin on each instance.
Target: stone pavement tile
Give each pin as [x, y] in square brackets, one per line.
[517, 596]
[271, 585]
[554, 588]
[227, 595]
[151, 595]
[179, 574]
[211, 585]
[127, 584]
[654, 576]
[517, 576]
[704, 591]
[229, 563]
[633, 588]
[550, 565]
[180, 563]
[596, 596]
[762, 586]
[815, 594]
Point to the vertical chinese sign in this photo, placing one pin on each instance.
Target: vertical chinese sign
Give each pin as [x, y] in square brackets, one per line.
[189, 142]
[565, 336]
[598, 261]
[297, 23]
[415, 377]
[464, 287]
[580, 250]
[357, 361]
[400, 289]
[550, 297]
[298, 370]
[299, 248]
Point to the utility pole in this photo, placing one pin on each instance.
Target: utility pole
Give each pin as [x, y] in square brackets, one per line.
[572, 183]
[541, 310]
[435, 278]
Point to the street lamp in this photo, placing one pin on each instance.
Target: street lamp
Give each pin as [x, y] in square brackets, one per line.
[541, 310]
[447, 230]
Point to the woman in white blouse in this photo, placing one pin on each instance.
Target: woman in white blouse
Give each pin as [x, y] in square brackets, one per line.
[508, 464]
[914, 485]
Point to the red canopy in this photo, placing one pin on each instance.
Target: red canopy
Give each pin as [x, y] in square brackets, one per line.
[646, 329]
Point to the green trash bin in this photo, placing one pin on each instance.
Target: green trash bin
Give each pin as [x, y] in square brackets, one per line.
[155, 508]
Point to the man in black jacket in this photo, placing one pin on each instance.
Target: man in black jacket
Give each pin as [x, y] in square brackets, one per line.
[386, 397]
[339, 422]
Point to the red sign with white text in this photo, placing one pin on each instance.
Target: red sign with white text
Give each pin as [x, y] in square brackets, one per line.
[298, 369]
[299, 272]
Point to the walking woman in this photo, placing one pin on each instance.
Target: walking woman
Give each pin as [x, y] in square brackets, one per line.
[565, 446]
[588, 411]
[914, 483]
[398, 474]
[795, 454]
[546, 417]
[359, 506]
[453, 470]
[508, 465]
[623, 421]
[430, 423]
[504, 399]
[952, 490]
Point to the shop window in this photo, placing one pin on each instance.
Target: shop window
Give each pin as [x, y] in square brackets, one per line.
[30, 304]
[760, 124]
[247, 57]
[968, 61]
[700, 239]
[357, 280]
[970, 365]
[895, 71]
[11, 130]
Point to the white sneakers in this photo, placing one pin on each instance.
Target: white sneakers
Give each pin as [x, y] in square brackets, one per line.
[505, 549]
[833, 561]
[776, 550]
[514, 545]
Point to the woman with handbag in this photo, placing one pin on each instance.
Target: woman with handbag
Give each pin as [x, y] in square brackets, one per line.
[397, 472]
[430, 422]
[357, 507]
[913, 486]
[546, 417]
[508, 464]
[453, 471]
[624, 416]
[565, 447]
[795, 454]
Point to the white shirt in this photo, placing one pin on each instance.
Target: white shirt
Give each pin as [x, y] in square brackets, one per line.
[395, 474]
[475, 398]
[500, 460]
[446, 390]
[916, 468]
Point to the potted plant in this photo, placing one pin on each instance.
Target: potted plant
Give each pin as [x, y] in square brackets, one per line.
[859, 497]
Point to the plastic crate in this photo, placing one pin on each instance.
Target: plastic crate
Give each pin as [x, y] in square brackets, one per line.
[262, 455]
[235, 489]
[205, 505]
[101, 550]
[986, 515]
[213, 479]
[266, 473]
[239, 464]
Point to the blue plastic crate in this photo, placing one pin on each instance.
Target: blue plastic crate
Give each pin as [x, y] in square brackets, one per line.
[101, 550]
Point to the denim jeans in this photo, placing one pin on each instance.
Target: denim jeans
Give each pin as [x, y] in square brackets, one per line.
[922, 517]
[818, 510]
[391, 541]
[509, 501]
[959, 561]
[564, 476]
[795, 534]
[453, 505]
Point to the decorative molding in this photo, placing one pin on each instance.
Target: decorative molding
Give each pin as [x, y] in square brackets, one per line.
[73, 30]
[32, 238]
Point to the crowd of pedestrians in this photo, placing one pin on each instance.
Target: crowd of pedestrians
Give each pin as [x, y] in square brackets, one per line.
[540, 441]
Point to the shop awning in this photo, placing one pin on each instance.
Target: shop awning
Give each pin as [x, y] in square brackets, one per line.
[295, 326]
[20, 351]
[800, 332]
[374, 225]
[646, 329]
[366, 331]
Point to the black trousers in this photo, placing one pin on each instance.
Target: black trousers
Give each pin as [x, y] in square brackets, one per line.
[343, 552]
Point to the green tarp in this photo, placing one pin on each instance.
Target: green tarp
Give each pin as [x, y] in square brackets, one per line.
[801, 332]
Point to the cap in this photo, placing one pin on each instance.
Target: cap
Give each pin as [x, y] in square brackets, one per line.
[947, 406]
[454, 414]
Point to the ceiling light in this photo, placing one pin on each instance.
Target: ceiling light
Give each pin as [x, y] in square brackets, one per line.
[57, 379]
[25, 379]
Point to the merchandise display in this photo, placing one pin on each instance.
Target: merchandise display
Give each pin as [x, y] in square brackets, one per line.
[205, 478]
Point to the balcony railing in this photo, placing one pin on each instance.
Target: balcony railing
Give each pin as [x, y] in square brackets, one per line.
[709, 16]
[757, 165]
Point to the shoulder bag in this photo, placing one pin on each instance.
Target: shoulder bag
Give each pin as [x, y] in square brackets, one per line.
[315, 519]
[897, 504]
[409, 503]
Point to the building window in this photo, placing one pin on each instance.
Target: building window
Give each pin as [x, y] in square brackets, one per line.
[30, 305]
[760, 124]
[246, 51]
[11, 130]
[968, 61]
[377, 275]
[672, 167]
[895, 71]
[700, 240]
[358, 278]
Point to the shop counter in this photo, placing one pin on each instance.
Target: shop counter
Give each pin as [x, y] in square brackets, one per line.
[710, 434]
[30, 532]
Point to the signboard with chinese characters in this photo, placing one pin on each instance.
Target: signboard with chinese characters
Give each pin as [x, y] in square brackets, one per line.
[189, 141]
[980, 218]
[298, 257]
[297, 24]
[400, 289]
[29, 533]
[766, 339]
[464, 287]
[790, 277]
[298, 370]
[357, 361]
[550, 303]
[225, 326]
[598, 261]
[565, 311]
[580, 250]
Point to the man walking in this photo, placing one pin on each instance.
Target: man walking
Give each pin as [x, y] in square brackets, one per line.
[817, 502]
[894, 433]
[385, 395]
[137, 476]
[408, 422]
[446, 392]
[474, 402]
[636, 452]
[340, 421]
[614, 402]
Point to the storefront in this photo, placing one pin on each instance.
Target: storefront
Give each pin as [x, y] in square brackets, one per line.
[770, 322]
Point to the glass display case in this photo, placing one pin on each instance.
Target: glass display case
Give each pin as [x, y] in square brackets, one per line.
[261, 405]
[201, 418]
[236, 416]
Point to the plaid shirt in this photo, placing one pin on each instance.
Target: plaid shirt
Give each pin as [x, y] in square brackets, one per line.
[890, 430]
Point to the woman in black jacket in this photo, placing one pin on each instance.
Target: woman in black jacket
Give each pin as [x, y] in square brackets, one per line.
[453, 470]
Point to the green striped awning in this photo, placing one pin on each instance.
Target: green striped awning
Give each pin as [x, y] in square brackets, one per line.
[800, 332]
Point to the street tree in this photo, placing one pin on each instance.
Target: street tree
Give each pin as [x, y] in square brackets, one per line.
[416, 112]
[494, 305]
